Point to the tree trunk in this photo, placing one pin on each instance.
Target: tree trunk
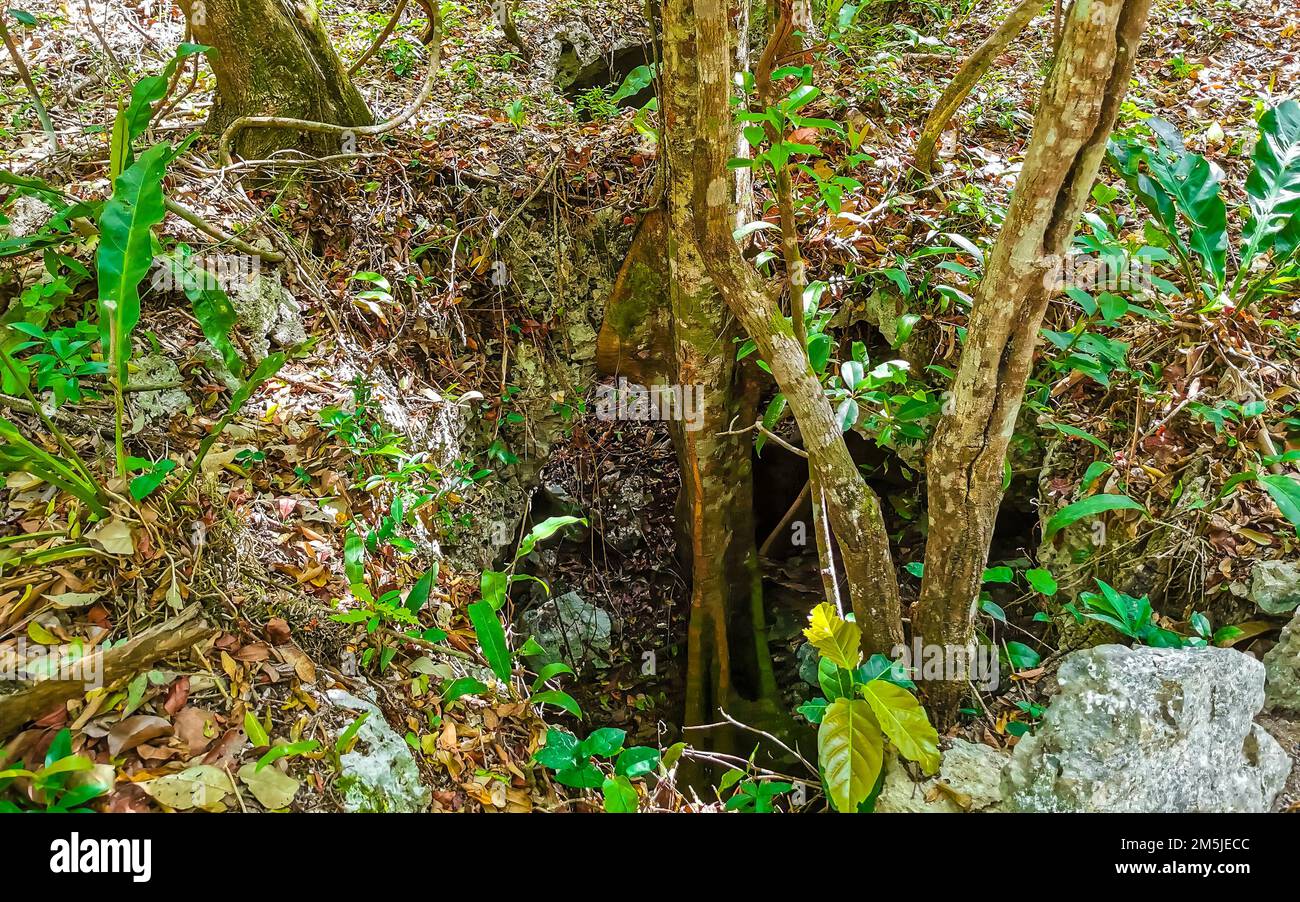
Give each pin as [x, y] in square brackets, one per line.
[1075, 115]
[970, 72]
[717, 479]
[273, 58]
[854, 510]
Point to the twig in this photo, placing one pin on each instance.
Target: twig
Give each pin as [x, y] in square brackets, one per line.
[221, 237]
[379, 40]
[41, 113]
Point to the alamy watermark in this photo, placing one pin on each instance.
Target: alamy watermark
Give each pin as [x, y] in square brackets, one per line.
[30, 662]
[974, 663]
[647, 403]
[205, 272]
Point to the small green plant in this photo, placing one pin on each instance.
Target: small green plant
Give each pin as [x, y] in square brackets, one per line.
[578, 764]
[516, 113]
[1134, 618]
[866, 704]
[65, 783]
[596, 103]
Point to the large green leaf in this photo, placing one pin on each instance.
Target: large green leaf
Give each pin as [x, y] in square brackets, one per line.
[1194, 184]
[149, 90]
[1273, 187]
[1285, 492]
[126, 251]
[1088, 507]
[491, 638]
[850, 750]
[904, 721]
[211, 306]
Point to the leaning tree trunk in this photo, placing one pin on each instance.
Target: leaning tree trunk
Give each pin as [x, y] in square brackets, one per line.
[964, 471]
[854, 512]
[273, 58]
[970, 72]
[717, 478]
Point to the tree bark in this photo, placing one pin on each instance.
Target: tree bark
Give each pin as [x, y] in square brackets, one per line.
[717, 478]
[1075, 116]
[274, 58]
[854, 510]
[970, 72]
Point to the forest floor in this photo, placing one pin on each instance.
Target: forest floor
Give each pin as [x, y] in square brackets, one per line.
[488, 379]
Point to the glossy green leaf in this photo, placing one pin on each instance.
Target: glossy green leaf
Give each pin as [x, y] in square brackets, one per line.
[491, 638]
[1088, 507]
[1273, 187]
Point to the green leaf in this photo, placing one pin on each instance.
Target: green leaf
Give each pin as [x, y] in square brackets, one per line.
[1088, 507]
[463, 686]
[149, 90]
[144, 485]
[838, 640]
[1021, 656]
[1273, 187]
[354, 557]
[850, 750]
[559, 699]
[813, 710]
[836, 682]
[284, 751]
[545, 530]
[637, 761]
[256, 733]
[1285, 492]
[344, 742]
[619, 794]
[17, 454]
[846, 415]
[211, 306]
[126, 252]
[998, 575]
[491, 638]
[419, 594]
[1042, 581]
[904, 721]
[492, 588]
[560, 751]
[603, 742]
[584, 776]
[549, 672]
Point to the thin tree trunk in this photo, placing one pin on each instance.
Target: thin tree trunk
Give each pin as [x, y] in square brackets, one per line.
[1075, 115]
[274, 58]
[854, 510]
[967, 76]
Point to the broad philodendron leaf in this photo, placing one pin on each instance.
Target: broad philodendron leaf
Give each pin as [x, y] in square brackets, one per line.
[491, 638]
[836, 638]
[126, 251]
[1273, 187]
[149, 90]
[904, 721]
[850, 750]
[1194, 183]
[1088, 507]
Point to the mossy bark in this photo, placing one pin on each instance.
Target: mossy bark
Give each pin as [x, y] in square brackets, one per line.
[717, 477]
[274, 58]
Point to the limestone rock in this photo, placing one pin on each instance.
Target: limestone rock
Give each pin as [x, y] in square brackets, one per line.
[379, 774]
[1275, 586]
[971, 778]
[570, 629]
[1282, 670]
[1150, 730]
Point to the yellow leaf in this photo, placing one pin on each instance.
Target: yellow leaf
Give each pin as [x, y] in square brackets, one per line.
[904, 721]
[851, 751]
[837, 639]
[40, 635]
